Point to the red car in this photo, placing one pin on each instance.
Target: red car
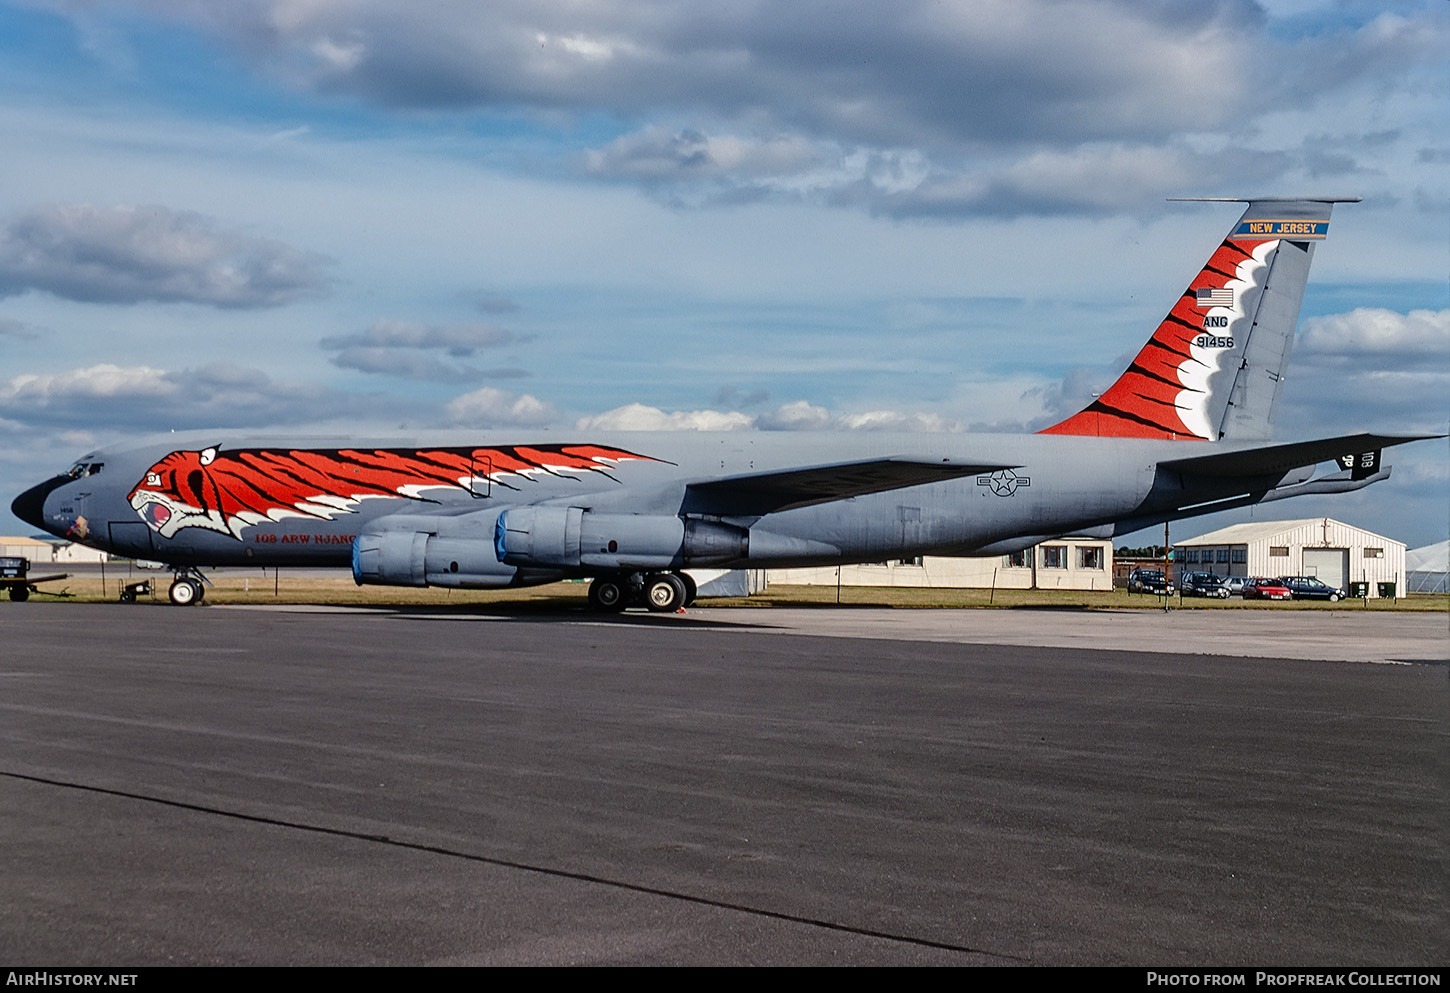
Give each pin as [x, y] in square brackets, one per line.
[1266, 589]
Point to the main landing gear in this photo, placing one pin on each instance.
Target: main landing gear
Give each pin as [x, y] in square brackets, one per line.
[661, 592]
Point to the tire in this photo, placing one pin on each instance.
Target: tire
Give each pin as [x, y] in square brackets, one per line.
[128, 596]
[19, 594]
[185, 592]
[608, 594]
[1334, 598]
[664, 593]
[691, 590]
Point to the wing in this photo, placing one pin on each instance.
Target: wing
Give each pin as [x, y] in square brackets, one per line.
[757, 494]
[1274, 460]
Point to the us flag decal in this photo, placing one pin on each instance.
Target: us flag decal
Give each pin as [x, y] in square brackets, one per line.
[1215, 298]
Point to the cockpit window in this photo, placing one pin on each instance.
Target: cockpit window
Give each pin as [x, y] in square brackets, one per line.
[82, 469]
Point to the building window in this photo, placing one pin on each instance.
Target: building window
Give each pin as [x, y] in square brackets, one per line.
[1089, 558]
[1240, 555]
[1190, 555]
[1223, 555]
[1374, 553]
[1018, 560]
[916, 560]
[1054, 556]
[1278, 551]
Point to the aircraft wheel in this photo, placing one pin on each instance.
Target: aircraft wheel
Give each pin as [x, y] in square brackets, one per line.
[19, 594]
[691, 590]
[185, 592]
[607, 593]
[664, 593]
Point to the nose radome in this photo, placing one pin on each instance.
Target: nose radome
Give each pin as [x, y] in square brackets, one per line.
[30, 505]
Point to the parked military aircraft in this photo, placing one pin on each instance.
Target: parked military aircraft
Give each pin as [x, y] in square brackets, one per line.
[1184, 431]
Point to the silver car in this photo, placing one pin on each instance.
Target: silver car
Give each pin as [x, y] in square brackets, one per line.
[1235, 585]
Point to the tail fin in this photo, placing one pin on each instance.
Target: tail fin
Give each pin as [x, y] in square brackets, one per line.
[1213, 368]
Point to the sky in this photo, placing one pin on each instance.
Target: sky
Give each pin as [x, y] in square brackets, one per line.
[551, 216]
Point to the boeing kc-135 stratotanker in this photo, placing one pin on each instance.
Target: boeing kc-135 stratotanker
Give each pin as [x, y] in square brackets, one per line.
[1184, 431]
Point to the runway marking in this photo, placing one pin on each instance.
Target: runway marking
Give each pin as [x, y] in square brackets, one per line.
[584, 877]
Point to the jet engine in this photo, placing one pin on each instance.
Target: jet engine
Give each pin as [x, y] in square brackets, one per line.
[574, 538]
[457, 552]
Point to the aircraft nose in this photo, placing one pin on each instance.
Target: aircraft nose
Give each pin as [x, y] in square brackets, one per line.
[30, 505]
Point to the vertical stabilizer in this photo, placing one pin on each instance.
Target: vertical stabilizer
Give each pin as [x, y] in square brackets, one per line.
[1214, 367]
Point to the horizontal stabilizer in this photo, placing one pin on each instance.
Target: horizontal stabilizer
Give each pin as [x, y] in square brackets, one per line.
[767, 492]
[1274, 460]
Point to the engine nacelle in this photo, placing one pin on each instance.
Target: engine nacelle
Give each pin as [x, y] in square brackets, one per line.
[573, 538]
[456, 552]
[389, 558]
[465, 563]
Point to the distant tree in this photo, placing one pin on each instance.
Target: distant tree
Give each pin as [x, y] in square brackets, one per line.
[1146, 552]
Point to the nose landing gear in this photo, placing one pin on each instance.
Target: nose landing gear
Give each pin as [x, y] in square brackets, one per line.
[186, 589]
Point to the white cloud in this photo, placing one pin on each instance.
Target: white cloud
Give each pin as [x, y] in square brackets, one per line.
[492, 407]
[407, 364]
[1087, 178]
[125, 254]
[797, 416]
[639, 417]
[113, 397]
[401, 349]
[660, 153]
[337, 58]
[1420, 335]
[458, 340]
[893, 420]
[1369, 369]
[103, 381]
[1007, 67]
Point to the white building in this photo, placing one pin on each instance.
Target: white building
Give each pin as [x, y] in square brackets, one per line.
[1428, 568]
[727, 582]
[1059, 564]
[1337, 553]
[38, 551]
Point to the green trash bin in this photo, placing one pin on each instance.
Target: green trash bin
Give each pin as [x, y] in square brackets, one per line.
[1387, 590]
[1358, 591]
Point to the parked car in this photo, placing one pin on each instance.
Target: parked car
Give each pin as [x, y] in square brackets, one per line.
[1203, 584]
[1309, 588]
[1235, 585]
[1147, 581]
[1266, 589]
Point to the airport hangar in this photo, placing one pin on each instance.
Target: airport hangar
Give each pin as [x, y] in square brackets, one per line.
[1339, 554]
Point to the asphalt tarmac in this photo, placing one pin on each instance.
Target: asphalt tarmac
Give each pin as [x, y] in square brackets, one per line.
[831, 786]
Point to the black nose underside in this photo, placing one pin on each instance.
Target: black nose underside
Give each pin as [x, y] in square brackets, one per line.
[30, 505]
